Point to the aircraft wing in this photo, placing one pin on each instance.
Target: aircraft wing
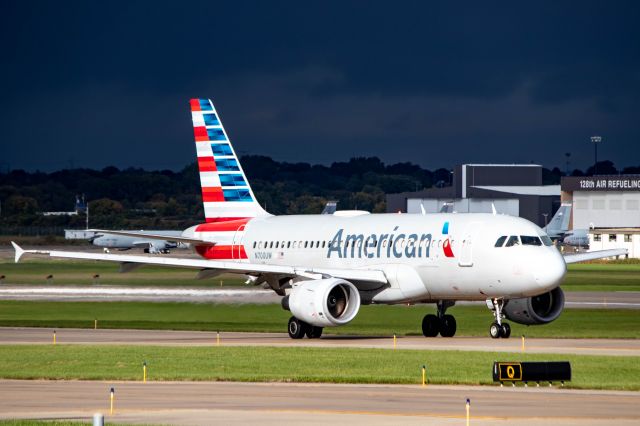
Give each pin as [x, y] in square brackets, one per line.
[222, 266]
[143, 235]
[592, 255]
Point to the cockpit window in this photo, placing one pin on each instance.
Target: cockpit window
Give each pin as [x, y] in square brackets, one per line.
[500, 241]
[546, 240]
[530, 240]
[513, 241]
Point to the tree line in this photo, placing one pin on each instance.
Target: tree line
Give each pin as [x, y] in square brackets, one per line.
[133, 198]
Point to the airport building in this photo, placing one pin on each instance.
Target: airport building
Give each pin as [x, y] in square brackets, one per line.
[514, 189]
[607, 206]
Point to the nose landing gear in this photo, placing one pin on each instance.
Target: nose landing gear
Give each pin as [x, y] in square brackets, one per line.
[441, 323]
[498, 328]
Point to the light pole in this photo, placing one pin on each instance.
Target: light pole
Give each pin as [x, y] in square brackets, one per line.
[545, 218]
[596, 140]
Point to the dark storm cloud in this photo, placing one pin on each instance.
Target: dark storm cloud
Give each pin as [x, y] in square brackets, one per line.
[435, 83]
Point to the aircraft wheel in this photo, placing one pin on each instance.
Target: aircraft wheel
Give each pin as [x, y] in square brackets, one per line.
[495, 330]
[430, 325]
[296, 328]
[313, 332]
[448, 326]
[506, 330]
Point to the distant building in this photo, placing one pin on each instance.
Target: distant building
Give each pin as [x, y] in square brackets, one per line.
[514, 189]
[609, 207]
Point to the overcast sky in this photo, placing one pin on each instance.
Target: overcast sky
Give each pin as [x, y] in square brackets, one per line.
[92, 84]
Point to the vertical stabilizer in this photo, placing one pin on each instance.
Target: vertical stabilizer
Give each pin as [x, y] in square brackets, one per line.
[226, 193]
[559, 223]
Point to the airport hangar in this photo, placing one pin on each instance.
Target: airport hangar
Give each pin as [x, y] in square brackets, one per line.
[514, 189]
[609, 207]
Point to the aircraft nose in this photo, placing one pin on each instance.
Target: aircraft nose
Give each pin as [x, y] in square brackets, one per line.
[550, 270]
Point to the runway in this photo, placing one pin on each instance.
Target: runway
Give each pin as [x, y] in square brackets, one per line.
[582, 299]
[190, 403]
[22, 336]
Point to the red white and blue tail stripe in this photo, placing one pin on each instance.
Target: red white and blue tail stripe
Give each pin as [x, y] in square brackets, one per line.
[226, 193]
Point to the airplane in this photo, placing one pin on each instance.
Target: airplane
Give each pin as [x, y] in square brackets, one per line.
[558, 228]
[120, 242]
[325, 266]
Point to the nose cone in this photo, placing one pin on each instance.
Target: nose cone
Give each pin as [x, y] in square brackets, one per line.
[550, 269]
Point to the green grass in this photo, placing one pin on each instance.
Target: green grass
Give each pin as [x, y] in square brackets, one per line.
[78, 272]
[294, 364]
[602, 277]
[581, 277]
[372, 320]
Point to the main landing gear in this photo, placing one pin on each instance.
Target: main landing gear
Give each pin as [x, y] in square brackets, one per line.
[298, 329]
[441, 323]
[498, 328]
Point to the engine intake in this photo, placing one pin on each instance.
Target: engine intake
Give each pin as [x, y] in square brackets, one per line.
[323, 303]
[541, 309]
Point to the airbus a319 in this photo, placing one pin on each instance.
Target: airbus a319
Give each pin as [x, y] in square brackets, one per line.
[327, 265]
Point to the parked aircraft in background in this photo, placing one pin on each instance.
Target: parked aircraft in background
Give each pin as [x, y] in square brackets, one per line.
[325, 266]
[126, 242]
[577, 238]
[558, 228]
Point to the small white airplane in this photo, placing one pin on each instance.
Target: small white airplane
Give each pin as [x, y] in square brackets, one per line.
[109, 240]
[325, 266]
[558, 228]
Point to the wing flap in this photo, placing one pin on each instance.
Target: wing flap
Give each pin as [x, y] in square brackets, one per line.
[222, 266]
[593, 255]
[140, 234]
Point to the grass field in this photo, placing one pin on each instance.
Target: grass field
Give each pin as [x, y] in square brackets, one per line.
[602, 277]
[372, 320]
[581, 277]
[294, 364]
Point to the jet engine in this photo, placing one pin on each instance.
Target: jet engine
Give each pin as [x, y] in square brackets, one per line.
[323, 303]
[540, 309]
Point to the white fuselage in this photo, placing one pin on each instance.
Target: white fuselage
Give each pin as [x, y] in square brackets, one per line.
[424, 257]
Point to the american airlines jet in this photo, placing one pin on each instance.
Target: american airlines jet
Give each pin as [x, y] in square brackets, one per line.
[326, 266]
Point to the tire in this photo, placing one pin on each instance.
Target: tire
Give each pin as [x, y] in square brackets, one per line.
[506, 330]
[448, 326]
[495, 331]
[296, 328]
[430, 325]
[313, 332]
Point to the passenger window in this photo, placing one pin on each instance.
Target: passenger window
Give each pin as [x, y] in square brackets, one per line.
[288, 244]
[295, 243]
[513, 241]
[323, 244]
[254, 244]
[500, 241]
[277, 244]
[530, 241]
[271, 244]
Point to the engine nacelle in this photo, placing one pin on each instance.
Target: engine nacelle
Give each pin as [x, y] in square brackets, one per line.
[540, 309]
[323, 303]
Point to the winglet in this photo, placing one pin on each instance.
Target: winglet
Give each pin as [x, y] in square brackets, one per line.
[19, 251]
[493, 209]
[422, 209]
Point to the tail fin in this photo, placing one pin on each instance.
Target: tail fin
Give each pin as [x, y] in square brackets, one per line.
[226, 193]
[559, 223]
